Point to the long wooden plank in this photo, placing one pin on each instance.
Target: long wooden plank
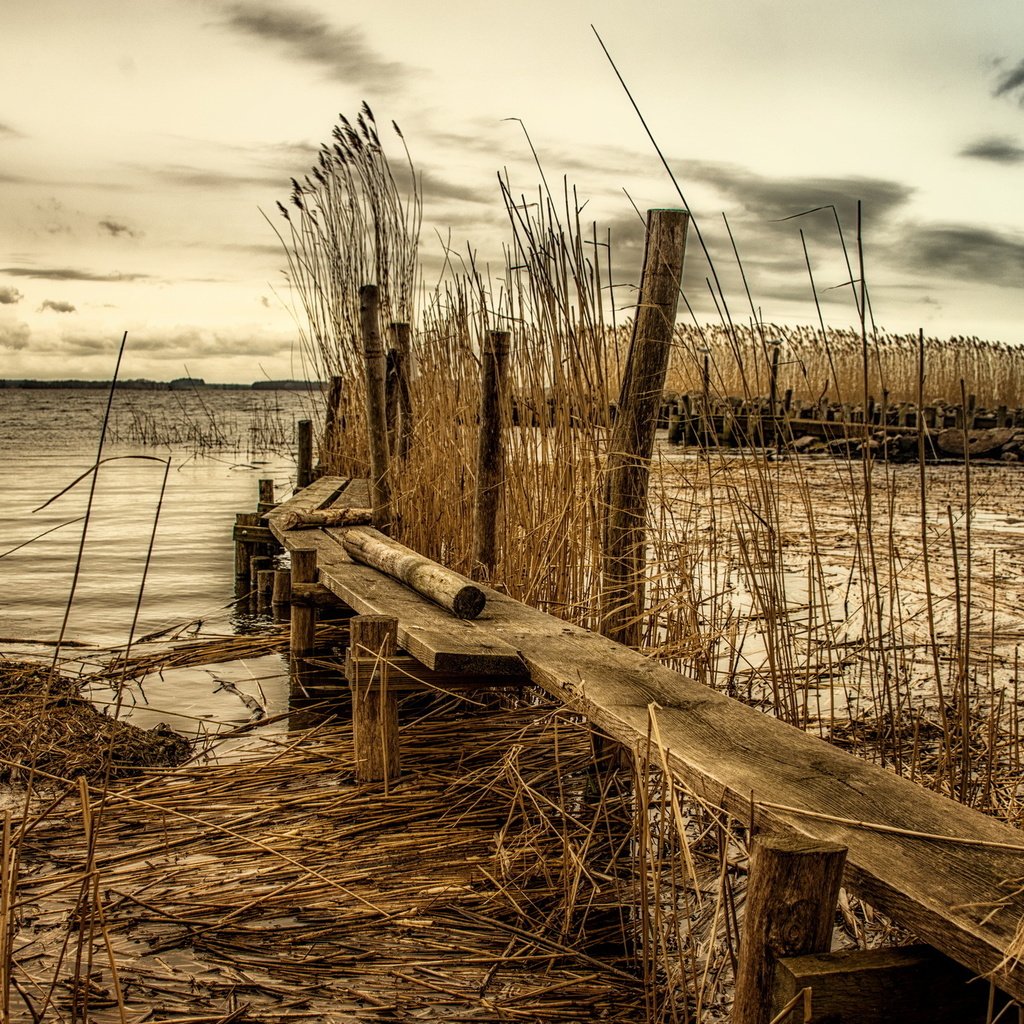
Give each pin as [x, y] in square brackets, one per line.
[965, 900]
[431, 635]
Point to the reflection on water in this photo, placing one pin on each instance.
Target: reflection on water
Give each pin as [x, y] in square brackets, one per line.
[49, 439]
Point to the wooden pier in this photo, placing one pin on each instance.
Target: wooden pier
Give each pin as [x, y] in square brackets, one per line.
[951, 876]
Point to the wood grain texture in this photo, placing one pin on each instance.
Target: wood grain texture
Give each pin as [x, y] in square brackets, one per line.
[375, 371]
[449, 589]
[964, 900]
[374, 702]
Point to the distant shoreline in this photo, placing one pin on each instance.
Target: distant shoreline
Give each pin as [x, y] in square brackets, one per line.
[141, 384]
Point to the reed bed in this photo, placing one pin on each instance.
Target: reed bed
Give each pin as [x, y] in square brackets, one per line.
[861, 600]
[493, 882]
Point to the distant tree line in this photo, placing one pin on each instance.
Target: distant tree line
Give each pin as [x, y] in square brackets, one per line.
[179, 384]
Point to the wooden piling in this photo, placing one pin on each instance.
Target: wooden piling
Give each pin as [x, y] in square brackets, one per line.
[243, 549]
[266, 499]
[401, 341]
[264, 590]
[375, 369]
[632, 440]
[332, 422]
[304, 470]
[303, 618]
[280, 595]
[490, 476]
[790, 910]
[373, 639]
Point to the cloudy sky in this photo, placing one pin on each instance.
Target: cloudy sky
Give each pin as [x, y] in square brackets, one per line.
[141, 139]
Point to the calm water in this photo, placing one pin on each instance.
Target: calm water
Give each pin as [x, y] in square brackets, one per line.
[49, 438]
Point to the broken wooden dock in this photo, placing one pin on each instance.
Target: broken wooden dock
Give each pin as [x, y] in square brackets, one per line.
[947, 873]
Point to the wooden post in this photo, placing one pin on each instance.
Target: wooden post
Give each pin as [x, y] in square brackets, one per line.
[264, 590]
[373, 639]
[266, 499]
[490, 463]
[303, 625]
[304, 471]
[332, 424]
[790, 910]
[401, 340]
[281, 594]
[243, 549]
[375, 367]
[632, 439]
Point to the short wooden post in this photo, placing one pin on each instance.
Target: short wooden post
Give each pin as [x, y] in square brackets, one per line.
[790, 910]
[490, 463]
[280, 597]
[401, 340]
[373, 639]
[304, 470]
[303, 624]
[243, 549]
[266, 499]
[264, 590]
[632, 439]
[375, 367]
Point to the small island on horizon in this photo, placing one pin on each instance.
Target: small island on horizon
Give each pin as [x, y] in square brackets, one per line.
[178, 384]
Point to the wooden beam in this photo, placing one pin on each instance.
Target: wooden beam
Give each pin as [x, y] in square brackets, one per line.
[912, 985]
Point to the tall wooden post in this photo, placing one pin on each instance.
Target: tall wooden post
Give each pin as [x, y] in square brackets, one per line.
[401, 341]
[790, 910]
[632, 440]
[373, 639]
[332, 424]
[375, 366]
[490, 464]
[304, 471]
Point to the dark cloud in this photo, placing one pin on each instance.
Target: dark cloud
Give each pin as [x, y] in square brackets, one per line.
[56, 307]
[206, 178]
[1011, 82]
[7, 132]
[68, 274]
[116, 229]
[9, 296]
[995, 148]
[14, 336]
[306, 36]
[980, 255]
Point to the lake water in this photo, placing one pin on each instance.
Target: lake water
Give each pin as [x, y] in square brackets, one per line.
[217, 446]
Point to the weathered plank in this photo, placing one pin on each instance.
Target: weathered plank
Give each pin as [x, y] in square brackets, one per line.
[965, 899]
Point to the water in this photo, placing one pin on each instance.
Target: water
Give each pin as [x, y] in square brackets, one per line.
[48, 439]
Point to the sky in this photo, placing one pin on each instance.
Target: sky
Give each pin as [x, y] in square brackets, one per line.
[145, 143]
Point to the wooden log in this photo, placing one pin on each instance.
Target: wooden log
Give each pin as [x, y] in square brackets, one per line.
[632, 439]
[790, 909]
[490, 462]
[303, 618]
[912, 985]
[401, 340]
[374, 704]
[443, 586]
[304, 469]
[375, 369]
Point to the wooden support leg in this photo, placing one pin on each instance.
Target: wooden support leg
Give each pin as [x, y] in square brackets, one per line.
[243, 549]
[303, 626]
[374, 705]
[281, 594]
[791, 907]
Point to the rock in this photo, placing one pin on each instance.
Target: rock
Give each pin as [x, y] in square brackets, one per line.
[980, 443]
